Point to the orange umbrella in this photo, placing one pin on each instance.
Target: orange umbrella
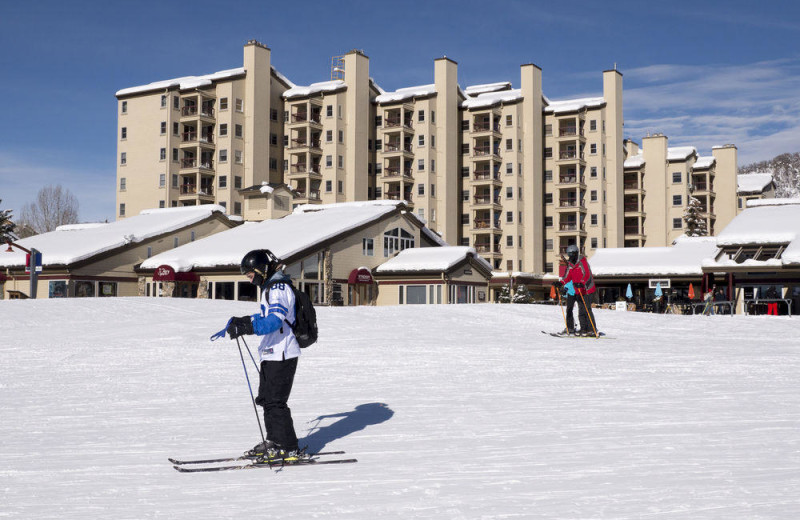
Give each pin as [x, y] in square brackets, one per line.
[691, 292]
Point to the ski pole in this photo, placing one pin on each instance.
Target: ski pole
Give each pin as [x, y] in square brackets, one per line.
[251, 356]
[563, 315]
[258, 420]
[589, 315]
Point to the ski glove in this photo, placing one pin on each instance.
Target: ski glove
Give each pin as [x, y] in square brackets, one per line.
[579, 286]
[240, 326]
[558, 285]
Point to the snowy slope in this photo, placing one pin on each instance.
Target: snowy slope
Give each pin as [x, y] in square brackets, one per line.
[455, 412]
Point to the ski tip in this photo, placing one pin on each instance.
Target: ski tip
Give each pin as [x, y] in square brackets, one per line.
[174, 461]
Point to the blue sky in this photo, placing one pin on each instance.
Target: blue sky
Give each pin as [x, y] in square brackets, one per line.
[703, 73]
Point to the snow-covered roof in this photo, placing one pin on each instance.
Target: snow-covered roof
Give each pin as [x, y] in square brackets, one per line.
[684, 257]
[183, 83]
[402, 94]
[491, 98]
[680, 153]
[430, 259]
[70, 244]
[573, 105]
[474, 90]
[704, 161]
[307, 226]
[771, 221]
[753, 182]
[314, 88]
[634, 161]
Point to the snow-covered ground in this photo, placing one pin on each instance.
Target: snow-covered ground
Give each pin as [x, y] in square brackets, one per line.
[452, 411]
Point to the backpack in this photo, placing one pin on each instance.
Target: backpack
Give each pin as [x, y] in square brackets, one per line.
[305, 325]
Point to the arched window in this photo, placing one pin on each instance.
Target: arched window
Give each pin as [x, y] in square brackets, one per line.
[396, 240]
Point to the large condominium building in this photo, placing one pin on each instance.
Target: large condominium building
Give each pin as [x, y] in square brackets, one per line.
[507, 171]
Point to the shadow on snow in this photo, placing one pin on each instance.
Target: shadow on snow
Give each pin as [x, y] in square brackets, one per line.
[350, 422]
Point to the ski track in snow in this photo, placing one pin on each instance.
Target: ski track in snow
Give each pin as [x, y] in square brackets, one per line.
[452, 411]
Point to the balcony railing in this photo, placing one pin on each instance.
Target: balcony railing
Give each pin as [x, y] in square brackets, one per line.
[189, 137]
[481, 151]
[486, 199]
[483, 248]
[191, 189]
[189, 110]
[299, 117]
[568, 131]
[395, 195]
[568, 203]
[312, 195]
[569, 154]
[570, 179]
[207, 138]
[188, 163]
[631, 185]
[485, 127]
[631, 207]
[482, 175]
[298, 168]
[633, 230]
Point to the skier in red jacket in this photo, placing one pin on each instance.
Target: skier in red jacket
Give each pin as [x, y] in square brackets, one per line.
[580, 274]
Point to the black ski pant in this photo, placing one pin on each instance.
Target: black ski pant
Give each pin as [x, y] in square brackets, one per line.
[584, 312]
[275, 385]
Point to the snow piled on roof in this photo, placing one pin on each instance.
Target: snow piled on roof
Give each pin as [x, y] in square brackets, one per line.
[402, 94]
[634, 161]
[314, 88]
[704, 161]
[753, 182]
[573, 105]
[430, 259]
[772, 202]
[491, 98]
[183, 83]
[684, 257]
[680, 153]
[70, 244]
[308, 225]
[282, 77]
[474, 90]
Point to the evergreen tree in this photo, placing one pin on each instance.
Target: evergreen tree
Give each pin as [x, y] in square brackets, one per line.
[694, 221]
[505, 294]
[521, 295]
[6, 226]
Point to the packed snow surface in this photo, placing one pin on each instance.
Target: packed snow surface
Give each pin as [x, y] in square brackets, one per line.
[453, 412]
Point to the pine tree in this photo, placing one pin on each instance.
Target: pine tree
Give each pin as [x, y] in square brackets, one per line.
[505, 294]
[6, 226]
[521, 295]
[693, 219]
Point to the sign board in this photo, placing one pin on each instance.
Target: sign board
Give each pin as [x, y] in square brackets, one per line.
[622, 306]
[653, 283]
[360, 275]
[38, 258]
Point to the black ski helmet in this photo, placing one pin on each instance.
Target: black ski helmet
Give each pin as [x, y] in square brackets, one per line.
[572, 253]
[261, 262]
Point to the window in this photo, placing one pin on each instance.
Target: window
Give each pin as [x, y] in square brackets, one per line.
[122, 210]
[340, 186]
[285, 141]
[548, 267]
[239, 105]
[677, 223]
[174, 180]
[509, 120]
[677, 200]
[421, 165]
[509, 144]
[548, 198]
[329, 111]
[396, 240]
[421, 140]
[433, 116]
[594, 243]
[237, 156]
[548, 130]
[465, 148]
[421, 116]
[593, 125]
[465, 195]
[175, 128]
[223, 181]
[415, 294]
[509, 168]
[421, 189]
[328, 186]
[433, 167]
[510, 217]
[593, 219]
[223, 103]
[237, 182]
[433, 141]
[510, 241]
[548, 153]
[339, 111]
[273, 163]
[223, 156]
[341, 161]
[465, 171]
[175, 242]
[548, 244]
[367, 247]
[593, 172]
[341, 136]
[223, 129]
[509, 192]
[465, 125]
[329, 136]
[122, 183]
[676, 177]
[174, 155]
[273, 139]
[273, 114]
[378, 144]
[237, 208]
[465, 220]
[191, 238]
[124, 108]
[123, 133]
[162, 180]
[433, 190]
[548, 222]
[593, 148]
[548, 175]
[421, 213]
[378, 121]
[163, 129]
[593, 195]
[237, 131]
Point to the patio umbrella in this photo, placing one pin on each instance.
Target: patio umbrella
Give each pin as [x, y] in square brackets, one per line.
[659, 292]
[691, 292]
[629, 292]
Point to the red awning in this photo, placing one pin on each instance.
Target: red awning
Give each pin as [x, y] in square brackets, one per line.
[165, 273]
[360, 275]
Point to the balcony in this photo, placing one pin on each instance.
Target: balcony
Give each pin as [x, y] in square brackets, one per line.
[486, 176]
[486, 151]
[312, 195]
[486, 223]
[394, 172]
[485, 126]
[571, 179]
[189, 137]
[486, 199]
[395, 195]
[206, 190]
[570, 155]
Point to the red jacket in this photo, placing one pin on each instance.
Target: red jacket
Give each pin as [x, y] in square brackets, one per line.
[580, 273]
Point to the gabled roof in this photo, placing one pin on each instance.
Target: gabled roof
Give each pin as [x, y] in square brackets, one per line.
[753, 182]
[288, 238]
[71, 244]
[680, 153]
[432, 259]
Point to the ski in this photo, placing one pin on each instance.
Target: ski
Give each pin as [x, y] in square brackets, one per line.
[178, 462]
[559, 335]
[256, 465]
